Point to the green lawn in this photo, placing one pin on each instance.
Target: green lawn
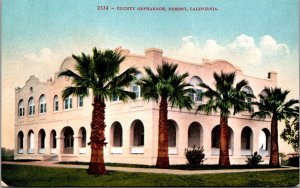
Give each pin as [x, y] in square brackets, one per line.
[26, 176]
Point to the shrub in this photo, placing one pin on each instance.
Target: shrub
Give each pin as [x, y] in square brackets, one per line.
[7, 154]
[254, 160]
[293, 161]
[194, 156]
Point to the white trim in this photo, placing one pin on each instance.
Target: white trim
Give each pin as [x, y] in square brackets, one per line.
[173, 150]
[116, 150]
[137, 150]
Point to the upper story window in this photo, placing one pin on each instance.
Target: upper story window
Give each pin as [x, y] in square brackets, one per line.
[21, 108]
[80, 101]
[55, 103]
[248, 90]
[68, 103]
[31, 107]
[136, 88]
[43, 105]
[264, 94]
[115, 98]
[197, 96]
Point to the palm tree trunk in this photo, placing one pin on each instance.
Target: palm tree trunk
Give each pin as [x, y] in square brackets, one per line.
[224, 142]
[96, 165]
[274, 156]
[163, 156]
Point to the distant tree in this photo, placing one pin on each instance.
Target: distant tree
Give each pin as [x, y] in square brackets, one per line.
[290, 133]
[100, 74]
[224, 98]
[273, 104]
[168, 87]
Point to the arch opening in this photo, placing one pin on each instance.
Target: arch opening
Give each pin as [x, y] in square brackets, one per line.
[30, 142]
[172, 137]
[82, 140]
[68, 140]
[264, 142]
[215, 140]
[137, 137]
[53, 142]
[246, 141]
[41, 141]
[195, 136]
[20, 144]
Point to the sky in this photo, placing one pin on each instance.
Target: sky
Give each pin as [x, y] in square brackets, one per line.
[37, 35]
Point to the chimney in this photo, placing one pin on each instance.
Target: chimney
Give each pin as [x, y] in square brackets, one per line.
[154, 55]
[272, 75]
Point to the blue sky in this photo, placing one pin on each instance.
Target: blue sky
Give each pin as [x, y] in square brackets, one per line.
[33, 24]
[257, 35]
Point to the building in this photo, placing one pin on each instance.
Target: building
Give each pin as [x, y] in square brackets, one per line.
[50, 128]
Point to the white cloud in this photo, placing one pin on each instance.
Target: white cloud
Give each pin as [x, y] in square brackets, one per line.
[241, 51]
[44, 56]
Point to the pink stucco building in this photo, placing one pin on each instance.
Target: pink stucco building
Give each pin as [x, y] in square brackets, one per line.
[50, 128]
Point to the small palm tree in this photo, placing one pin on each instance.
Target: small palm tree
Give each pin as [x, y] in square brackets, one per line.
[274, 106]
[100, 74]
[169, 87]
[224, 98]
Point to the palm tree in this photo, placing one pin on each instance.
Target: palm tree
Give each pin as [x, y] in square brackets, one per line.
[224, 98]
[273, 105]
[169, 87]
[100, 74]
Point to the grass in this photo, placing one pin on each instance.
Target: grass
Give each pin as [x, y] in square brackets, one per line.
[27, 176]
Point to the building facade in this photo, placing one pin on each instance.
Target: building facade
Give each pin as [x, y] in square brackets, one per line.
[50, 128]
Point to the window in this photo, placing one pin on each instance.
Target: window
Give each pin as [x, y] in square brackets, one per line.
[197, 96]
[43, 105]
[21, 108]
[31, 109]
[265, 95]
[115, 98]
[248, 90]
[68, 103]
[55, 103]
[80, 101]
[137, 90]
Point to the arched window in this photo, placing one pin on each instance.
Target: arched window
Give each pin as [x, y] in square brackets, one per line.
[136, 88]
[68, 103]
[55, 103]
[264, 94]
[31, 107]
[43, 105]
[21, 108]
[248, 90]
[197, 96]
